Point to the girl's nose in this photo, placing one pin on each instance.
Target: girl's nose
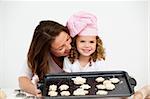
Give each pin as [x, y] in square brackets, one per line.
[87, 45]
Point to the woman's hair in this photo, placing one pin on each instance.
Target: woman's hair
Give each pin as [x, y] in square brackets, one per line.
[98, 54]
[39, 51]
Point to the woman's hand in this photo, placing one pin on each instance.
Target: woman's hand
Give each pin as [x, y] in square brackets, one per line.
[143, 93]
[27, 86]
[38, 93]
[138, 95]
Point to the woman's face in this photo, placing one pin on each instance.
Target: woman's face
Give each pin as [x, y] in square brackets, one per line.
[61, 45]
[86, 45]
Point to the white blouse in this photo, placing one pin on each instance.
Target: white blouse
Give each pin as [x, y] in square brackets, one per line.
[75, 67]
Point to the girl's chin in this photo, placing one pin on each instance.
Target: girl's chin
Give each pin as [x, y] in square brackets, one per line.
[86, 54]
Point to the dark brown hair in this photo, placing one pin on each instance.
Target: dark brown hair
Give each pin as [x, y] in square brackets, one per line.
[39, 51]
[98, 54]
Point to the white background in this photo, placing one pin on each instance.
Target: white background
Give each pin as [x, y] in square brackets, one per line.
[123, 26]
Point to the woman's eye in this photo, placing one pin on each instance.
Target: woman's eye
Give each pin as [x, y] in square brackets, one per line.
[68, 39]
[60, 48]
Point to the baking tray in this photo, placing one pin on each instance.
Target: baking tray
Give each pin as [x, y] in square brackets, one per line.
[124, 88]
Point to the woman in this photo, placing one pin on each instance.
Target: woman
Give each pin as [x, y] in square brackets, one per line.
[50, 43]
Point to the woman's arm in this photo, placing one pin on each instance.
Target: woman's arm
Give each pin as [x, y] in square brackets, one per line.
[27, 86]
[142, 93]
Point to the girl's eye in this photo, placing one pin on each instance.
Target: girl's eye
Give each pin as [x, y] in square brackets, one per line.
[91, 41]
[82, 41]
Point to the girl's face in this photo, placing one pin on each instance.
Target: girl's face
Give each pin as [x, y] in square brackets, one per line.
[86, 45]
[61, 45]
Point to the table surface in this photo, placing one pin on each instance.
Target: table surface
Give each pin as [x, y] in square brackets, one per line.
[12, 94]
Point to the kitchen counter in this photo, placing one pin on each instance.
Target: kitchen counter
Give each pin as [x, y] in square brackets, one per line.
[16, 94]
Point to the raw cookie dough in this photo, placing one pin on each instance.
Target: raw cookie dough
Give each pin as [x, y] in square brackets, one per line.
[85, 86]
[114, 80]
[101, 86]
[63, 87]
[110, 86]
[53, 87]
[65, 93]
[99, 79]
[52, 93]
[101, 92]
[79, 80]
[80, 91]
[106, 82]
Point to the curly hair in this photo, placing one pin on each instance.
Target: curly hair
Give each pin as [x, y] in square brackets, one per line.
[98, 54]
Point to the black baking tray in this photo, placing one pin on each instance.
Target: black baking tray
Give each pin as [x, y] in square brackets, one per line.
[124, 88]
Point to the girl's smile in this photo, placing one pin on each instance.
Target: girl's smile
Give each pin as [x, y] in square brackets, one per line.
[86, 45]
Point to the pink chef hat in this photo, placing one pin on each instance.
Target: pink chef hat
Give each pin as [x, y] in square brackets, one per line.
[82, 23]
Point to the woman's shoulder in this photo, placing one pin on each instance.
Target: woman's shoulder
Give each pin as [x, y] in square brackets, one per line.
[24, 70]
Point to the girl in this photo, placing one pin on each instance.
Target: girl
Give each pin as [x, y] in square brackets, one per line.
[87, 48]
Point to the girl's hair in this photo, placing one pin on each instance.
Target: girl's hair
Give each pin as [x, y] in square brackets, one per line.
[39, 51]
[98, 54]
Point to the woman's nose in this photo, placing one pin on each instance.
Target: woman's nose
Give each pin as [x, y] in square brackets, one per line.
[68, 45]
